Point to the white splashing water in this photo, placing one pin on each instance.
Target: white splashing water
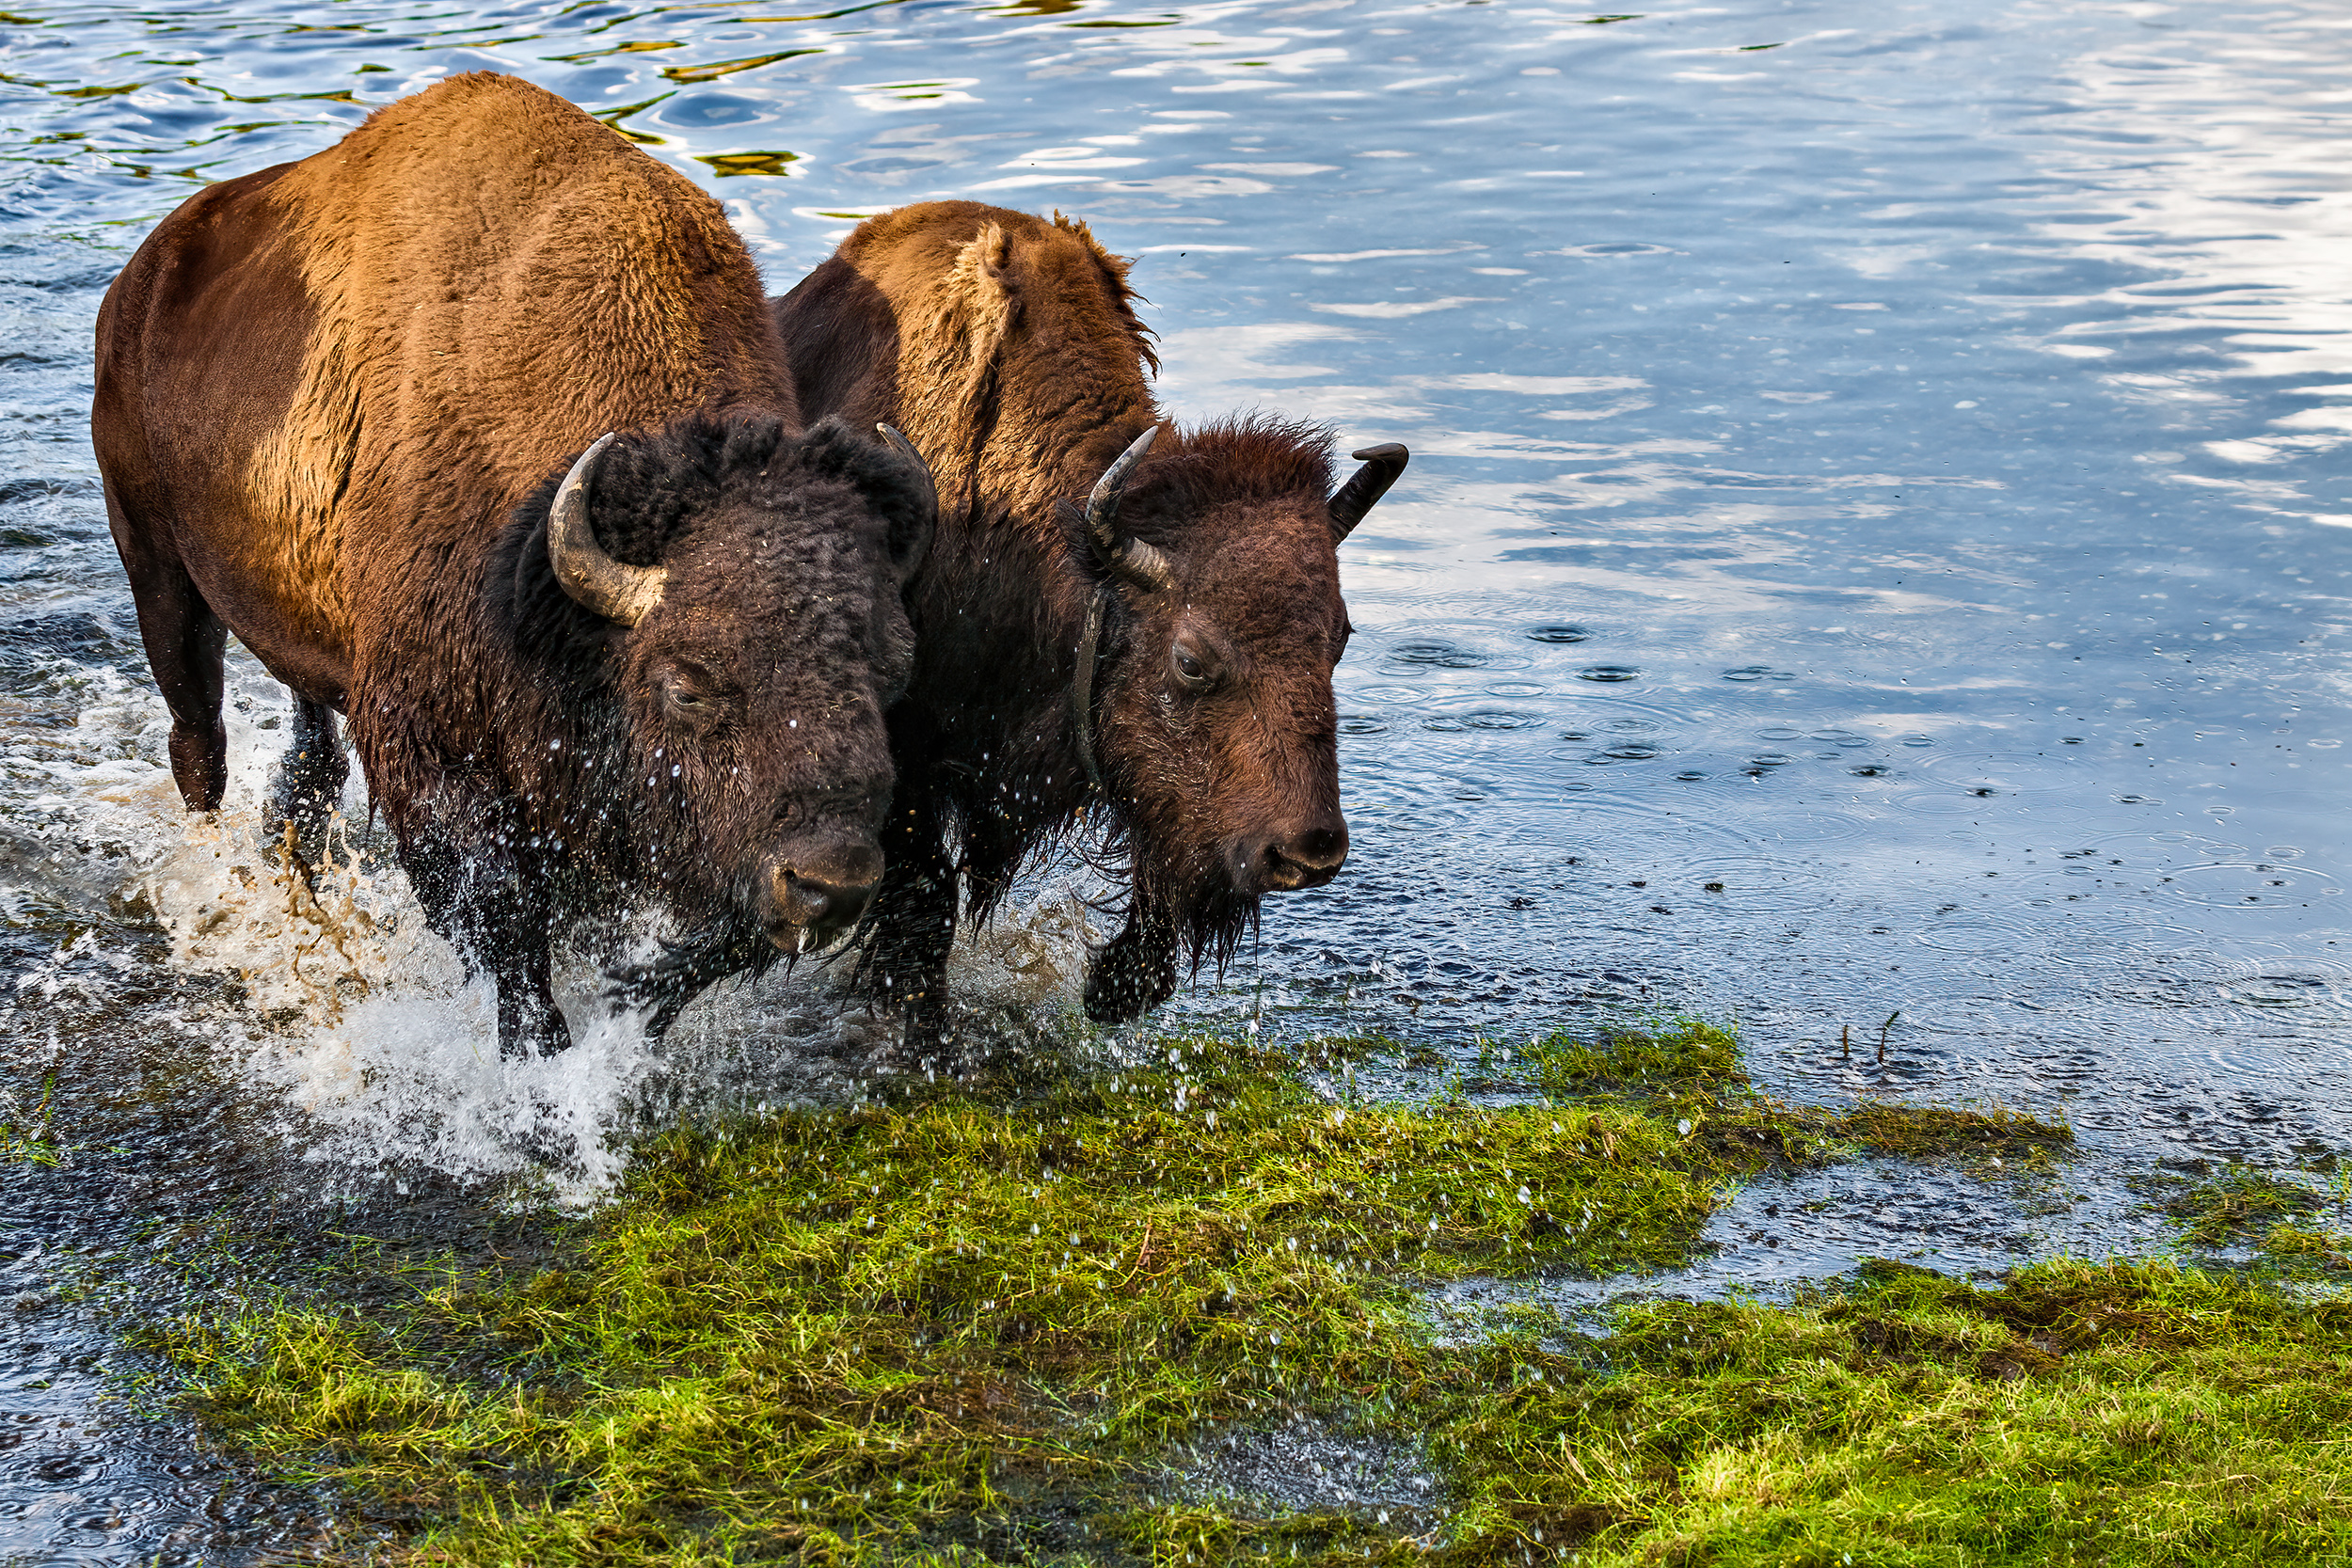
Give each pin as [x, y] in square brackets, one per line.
[362, 1023]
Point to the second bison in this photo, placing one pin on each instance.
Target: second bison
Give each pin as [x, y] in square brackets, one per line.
[1117, 614]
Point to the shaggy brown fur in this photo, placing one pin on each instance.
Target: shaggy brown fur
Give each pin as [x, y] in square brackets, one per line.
[1009, 350]
[322, 391]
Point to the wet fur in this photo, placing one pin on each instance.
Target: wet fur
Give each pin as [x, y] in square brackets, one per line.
[333, 399]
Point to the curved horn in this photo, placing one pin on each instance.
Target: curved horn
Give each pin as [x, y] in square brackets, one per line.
[1381, 464]
[1123, 554]
[614, 591]
[904, 448]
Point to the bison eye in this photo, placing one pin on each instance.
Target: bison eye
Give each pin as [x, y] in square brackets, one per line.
[1190, 668]
[689, 701]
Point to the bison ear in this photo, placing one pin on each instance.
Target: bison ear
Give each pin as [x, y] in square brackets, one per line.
[1381, 464]
[613, 590]
[911, 538]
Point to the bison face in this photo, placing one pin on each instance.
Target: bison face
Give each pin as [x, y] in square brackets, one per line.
[754, 648]
[1218, 718]
[1217, 722]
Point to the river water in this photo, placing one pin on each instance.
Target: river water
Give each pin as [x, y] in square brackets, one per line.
[1878, 541]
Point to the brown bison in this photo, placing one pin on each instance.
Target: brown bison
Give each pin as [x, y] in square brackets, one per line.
[341, 407]
[1149, 629]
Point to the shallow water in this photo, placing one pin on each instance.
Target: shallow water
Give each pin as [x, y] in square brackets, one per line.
[1877, 543]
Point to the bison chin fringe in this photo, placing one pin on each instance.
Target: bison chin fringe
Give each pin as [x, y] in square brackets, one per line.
[1167, 920]
[719, 945]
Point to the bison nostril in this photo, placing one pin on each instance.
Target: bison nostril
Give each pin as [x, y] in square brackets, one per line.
[1317, 848]
[1288, 859]
[812, 899]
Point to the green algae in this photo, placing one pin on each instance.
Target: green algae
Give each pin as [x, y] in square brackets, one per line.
[985, 1324]
[1692, 1073]
[2237, 1206]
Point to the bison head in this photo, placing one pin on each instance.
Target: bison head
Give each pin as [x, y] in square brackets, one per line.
[747, 633]
[1214, 728]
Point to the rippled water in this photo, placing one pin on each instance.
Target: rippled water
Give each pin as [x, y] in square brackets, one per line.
[1877, 541]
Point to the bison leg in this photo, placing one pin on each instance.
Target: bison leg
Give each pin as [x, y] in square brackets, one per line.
[913, 928]
[185, 642]
[478, 898]
[1133, 973]
[309, 783]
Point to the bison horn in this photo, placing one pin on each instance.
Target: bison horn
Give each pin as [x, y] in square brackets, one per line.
[613, 590]
[1123, 555]
[1381, 464]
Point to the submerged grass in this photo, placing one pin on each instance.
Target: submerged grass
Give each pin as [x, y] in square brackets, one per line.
[25, 1137]
[971, 1329]
[2239, 1205]
[1692, 1074]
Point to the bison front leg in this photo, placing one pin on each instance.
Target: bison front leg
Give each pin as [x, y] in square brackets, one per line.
[484, 899]
[309, 785]
[1135, 972]
[911, 930]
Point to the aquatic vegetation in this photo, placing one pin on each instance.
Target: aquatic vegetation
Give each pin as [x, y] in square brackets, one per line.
[869, 1327]
[2123, 1413]
[2305, 1249]
[1992, 1136]
[1694, 1056]
[25, 1137]
[1005, 1322]
[1691, 1072]
[2238, 1205]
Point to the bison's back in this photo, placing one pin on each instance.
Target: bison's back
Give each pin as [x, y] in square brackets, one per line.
[506, 278]
[329, 383]
[201, 371]
[1005, 344]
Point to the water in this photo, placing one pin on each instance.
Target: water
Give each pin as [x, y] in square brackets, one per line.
[1877, 541]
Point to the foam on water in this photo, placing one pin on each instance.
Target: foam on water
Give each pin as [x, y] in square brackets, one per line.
[348, 1011]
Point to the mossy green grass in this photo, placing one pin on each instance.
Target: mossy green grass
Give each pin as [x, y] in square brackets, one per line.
[986, 1323]
[2239, 1205]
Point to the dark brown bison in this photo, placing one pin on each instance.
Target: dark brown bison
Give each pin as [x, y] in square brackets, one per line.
[341, 407]
[1105, 622]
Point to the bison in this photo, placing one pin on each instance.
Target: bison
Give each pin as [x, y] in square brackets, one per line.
[475, 428]
[1116, 616]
